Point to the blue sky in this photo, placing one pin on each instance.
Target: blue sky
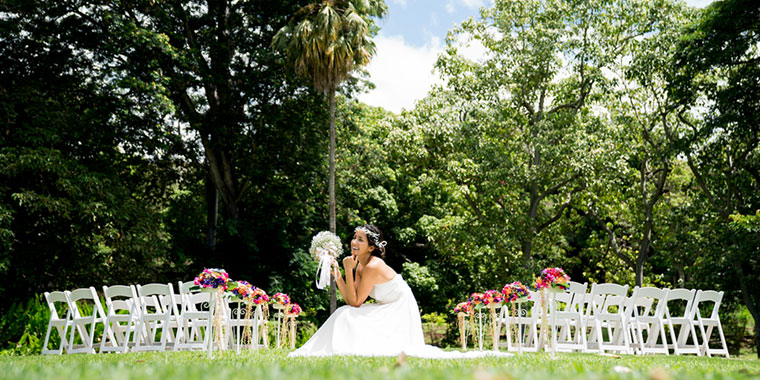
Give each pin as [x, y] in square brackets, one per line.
[411, 37]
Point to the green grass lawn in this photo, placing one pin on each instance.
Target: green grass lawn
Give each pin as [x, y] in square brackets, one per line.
[273, 364]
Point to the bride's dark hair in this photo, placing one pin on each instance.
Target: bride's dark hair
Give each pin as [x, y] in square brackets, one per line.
[374, 239]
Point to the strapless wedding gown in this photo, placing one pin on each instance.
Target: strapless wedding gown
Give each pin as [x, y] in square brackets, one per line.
[386, 328]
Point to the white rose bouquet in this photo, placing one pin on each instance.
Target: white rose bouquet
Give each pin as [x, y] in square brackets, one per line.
[325, 246]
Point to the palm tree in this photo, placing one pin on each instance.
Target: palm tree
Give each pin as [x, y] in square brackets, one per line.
[324, 42]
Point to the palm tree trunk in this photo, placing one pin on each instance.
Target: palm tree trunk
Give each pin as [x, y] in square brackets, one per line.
[333, 295]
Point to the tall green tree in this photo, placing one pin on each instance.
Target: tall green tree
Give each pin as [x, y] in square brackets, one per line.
[715, 71]
[641, 112]
[208, 63]
[325, 41]
[527, 111]
[81, 191]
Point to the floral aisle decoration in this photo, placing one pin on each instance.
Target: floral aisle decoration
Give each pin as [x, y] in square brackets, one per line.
[281, 302]
[216, 281]
[325, 247]
[462, 310]
[476, 301]
[261, 300]
[552, 281]
[515, 293]
[493, 299]
[291, 312]
[252, 296]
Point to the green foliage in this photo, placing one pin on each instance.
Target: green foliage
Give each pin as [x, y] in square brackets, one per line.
[23, 327]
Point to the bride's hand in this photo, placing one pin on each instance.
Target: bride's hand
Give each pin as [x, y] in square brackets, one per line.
[336, 268]
[349, 263]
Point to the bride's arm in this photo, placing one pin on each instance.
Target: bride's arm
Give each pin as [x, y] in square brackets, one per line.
[339, 280]
[357, 292]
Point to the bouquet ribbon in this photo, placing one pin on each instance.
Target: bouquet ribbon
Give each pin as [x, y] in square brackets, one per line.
[323, 270]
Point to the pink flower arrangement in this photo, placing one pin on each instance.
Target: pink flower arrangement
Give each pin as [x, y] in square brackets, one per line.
[243, 290]
[293, 309]
[463, 307]
[280, 299]
[515, 291]
[213, 278]
[553, 278]
[259, 296]
[492, 297]
[476, 299]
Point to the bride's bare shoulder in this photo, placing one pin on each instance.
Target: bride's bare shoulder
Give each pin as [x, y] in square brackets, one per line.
[380, 268]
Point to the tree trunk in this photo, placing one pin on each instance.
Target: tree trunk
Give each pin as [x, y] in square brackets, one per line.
[331, 189]
[527, 247]
[212, 210]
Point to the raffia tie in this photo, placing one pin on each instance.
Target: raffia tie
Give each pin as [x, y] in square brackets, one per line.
[218, 318]
[248, 328]
[494, 333]
[544, 319]
[472, 328]
[265, 325]
[462, 330]
[284, 329]
[292, 332]
[512, 326]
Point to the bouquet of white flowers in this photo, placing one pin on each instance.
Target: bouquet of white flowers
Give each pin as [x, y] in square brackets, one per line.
[325, 247]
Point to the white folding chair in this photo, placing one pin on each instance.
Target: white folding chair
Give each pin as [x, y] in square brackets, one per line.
[57, 302]
[685, 323]
[570, 318]
[154, 325]
[238, 324]
[122, 316]
[706, 325]
[87, 312]
[525, 324]
[647, 311]
[195, 319]
[609, 318]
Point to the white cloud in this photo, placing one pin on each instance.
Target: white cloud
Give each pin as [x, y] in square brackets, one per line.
[400, 2]
[698, 3]
[402, 73]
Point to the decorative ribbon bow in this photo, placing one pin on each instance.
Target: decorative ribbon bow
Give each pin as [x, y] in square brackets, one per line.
[323, 270]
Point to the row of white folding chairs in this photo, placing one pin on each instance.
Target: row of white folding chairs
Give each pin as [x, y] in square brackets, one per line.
[633, 325]
[144, 318]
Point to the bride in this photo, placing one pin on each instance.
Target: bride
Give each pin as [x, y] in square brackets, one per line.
[386, 328]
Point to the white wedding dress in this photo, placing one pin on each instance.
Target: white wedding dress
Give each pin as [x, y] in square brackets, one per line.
[386, 328]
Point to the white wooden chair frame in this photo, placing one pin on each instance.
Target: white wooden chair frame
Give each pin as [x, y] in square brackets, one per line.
[685, 323]
[83, 326]
[643, 320]
[120, 329]
[161, 298]
[706, 325]
[61, 325]
[195, 324]
[614, 322]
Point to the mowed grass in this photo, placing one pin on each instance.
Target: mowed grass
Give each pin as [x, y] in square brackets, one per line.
[274, 364]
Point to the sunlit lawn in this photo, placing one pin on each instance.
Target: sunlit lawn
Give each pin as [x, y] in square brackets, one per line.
[273, 364]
